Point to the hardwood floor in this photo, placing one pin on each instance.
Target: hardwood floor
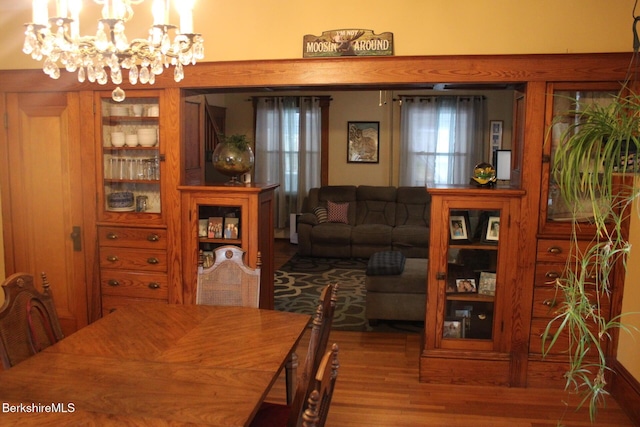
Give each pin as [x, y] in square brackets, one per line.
[378, 387]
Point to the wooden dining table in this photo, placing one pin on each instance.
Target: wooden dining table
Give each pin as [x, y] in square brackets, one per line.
[155, 365]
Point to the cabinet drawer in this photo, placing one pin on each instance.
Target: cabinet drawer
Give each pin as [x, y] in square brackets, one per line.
[547, 300]
[133, 259]
[558, 250]
[546, 273]
[152, 238]
[538, 326]
[112, 303]
[139, 285]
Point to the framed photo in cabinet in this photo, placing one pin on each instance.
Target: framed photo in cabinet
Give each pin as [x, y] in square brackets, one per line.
[459, 227]
[492, 232]
[203, 228]
[487, 284]
[453, 328]
[214, 230]
[231, 228]
[466, 286]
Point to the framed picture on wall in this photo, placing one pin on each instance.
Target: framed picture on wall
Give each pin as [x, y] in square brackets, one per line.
[363, 142]
[495, 129]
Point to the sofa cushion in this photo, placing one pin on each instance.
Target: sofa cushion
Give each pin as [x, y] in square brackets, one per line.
[321, 214]
[385, 263]
[413, 206]
[376, 205]
[338, 212]
[411, 235]
[372, 234]
[332, 232]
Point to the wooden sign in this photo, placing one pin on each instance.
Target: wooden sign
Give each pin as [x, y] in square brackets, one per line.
[347, 43]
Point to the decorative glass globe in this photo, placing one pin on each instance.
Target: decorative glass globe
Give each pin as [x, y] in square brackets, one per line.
[233, 158]
[484, 174]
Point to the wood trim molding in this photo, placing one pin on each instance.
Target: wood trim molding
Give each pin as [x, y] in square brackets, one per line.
[361, 72]
[626, 391]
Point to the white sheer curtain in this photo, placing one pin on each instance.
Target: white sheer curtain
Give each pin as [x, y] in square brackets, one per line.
[288, 150]
[441, 139]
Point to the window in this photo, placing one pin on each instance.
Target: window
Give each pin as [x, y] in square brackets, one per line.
[288, 136]
[441, 139]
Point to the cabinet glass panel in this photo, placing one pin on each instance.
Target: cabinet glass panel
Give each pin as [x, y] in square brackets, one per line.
[564, 101]
[130, 141]
[471, 274]
[218, 226]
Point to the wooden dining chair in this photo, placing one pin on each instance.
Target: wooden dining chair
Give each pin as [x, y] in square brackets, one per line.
[278, 415]
[316, 400]
[28, 319]
[229, 281]
[320, 330]
[319, 401]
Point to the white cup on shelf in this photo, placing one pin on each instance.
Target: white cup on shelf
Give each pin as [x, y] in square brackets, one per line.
[137, 109]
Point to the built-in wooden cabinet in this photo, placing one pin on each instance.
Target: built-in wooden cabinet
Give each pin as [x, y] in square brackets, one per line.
[249, 209]
[471, 285]
[556, 249]
[132, 232]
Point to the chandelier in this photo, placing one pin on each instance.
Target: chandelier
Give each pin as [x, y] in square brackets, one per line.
[106, 54]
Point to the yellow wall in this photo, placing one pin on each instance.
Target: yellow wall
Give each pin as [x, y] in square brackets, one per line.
[629, 345]
[250, 29]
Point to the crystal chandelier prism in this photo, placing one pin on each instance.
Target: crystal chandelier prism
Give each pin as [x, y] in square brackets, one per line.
[106, 54]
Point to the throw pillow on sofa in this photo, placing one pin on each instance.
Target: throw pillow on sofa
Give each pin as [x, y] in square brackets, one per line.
[338, 212]
[321, 214]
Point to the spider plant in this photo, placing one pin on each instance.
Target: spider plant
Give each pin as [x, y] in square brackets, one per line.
[589, 165]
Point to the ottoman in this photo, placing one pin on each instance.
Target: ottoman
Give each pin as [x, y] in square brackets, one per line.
[396, 287]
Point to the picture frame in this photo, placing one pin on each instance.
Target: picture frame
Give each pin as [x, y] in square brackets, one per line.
[203, 227]
[363, 142]
[214, 227]
[459, 227]
[453, 328]
[487, 284]
[466, 286]
[492, 231]
[231, 228]
[495, 134]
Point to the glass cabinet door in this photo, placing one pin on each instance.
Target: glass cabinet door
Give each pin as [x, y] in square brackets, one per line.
[130, 135]
[563, 98]
[472, 266]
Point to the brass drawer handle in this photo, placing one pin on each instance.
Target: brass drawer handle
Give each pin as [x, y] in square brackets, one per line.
[153, 237]
[112, 236]
[153, 260]
[154, 285]
[112, 258]
[113, 282]
[550, 303]
[552, 275]
[554, 250]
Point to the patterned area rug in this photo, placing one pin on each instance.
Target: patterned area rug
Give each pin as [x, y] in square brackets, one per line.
[299, 282]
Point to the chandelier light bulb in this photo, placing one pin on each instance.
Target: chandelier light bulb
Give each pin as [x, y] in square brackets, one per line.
[100, 57]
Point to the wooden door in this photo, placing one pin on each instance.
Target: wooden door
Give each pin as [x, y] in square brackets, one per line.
[44, 208]
[193, 140]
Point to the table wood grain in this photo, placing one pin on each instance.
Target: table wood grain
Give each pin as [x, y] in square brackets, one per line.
[157, 364]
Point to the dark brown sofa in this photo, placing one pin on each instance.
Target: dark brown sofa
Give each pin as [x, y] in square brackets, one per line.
[378, 219]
